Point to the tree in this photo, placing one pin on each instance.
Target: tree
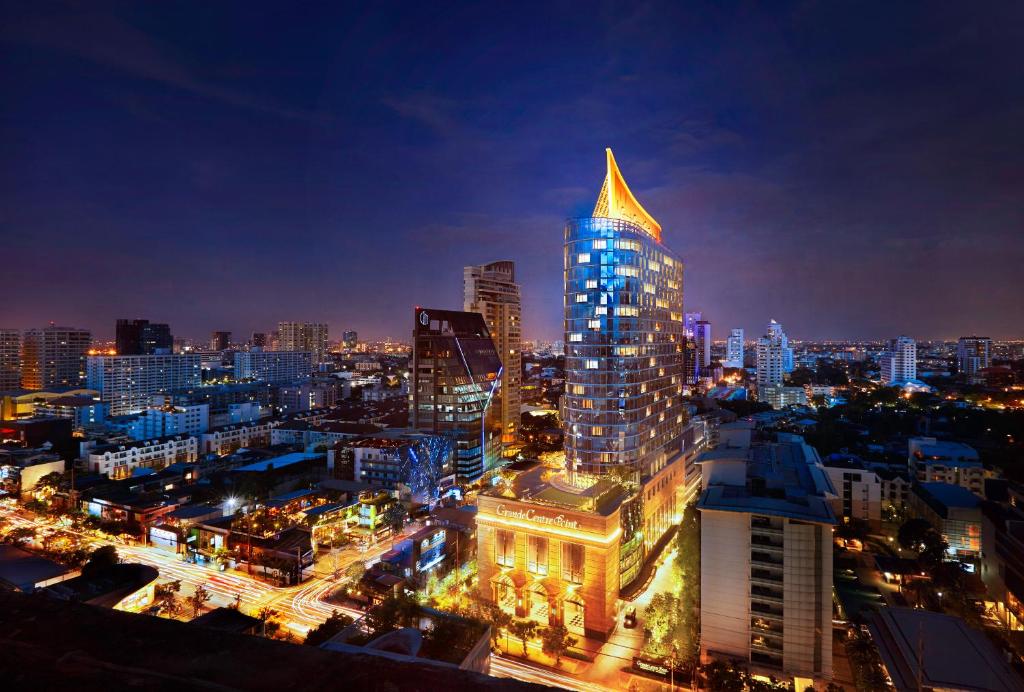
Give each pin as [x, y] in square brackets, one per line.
[328, 628]
[101, 560]
[20, 534]
[355, 571]
[392, 613]
[394, 516]
[197, 599]
[51, 481]
[722, 676]
[166, 596]
[524, 630]
[265, 615]
[556, 641]
[912, 533]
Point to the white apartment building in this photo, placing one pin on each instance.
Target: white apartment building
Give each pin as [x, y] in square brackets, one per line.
[773, 354]
[766, 559]
[273, 366]
[734, 349]
[228, 439]
[898, 364]
[126, 383]
[779, 396]
[940, 461]
[859, 491]
[118, 460]
[303, 336]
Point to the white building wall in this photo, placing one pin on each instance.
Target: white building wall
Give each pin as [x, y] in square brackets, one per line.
[725, 583]
[807, 588]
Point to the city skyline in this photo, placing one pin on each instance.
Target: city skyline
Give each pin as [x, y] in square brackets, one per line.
[229, 180]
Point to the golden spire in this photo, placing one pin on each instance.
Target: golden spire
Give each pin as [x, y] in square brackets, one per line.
[615, 201]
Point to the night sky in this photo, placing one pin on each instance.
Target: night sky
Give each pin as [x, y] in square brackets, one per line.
[851, 169]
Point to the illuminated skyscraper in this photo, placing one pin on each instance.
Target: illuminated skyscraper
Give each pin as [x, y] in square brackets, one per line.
[622, 411]
[492, 291]
[456, 374]
[734, 349]
[624, 338]
[898, 364]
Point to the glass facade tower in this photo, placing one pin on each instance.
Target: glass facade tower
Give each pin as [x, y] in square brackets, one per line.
[624, 335]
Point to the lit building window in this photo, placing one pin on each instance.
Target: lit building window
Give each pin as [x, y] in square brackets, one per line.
[504, 548]
[581, 297]
[572, 563]
[594, 324]
[537, 555]
[591, 364]
[576, 337]
[600, 244]
[583, 258]
[591, 283]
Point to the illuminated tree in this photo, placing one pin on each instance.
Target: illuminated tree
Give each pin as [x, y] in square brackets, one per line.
[524, 630]
[198, 599]
[556, 641]
[166, 596]
[328, 628]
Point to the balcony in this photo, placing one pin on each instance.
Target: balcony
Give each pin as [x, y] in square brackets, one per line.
[769, 644]
[766, 594]
[765, 542]
[762, 558]
[763, 626]
[765, 610]
[769, 577]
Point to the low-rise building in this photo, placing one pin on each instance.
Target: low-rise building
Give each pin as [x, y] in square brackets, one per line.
[21, 469]
[118, 460]
[858, 489]
[778, 396]
[955, 512]
[228, 439]
[82, 410]
[1002, 561]
[941, 461]
[549, 550]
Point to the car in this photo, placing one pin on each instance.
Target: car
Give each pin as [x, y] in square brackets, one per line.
[629, 620]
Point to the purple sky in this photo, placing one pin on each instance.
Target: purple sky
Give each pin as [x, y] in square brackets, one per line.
[853, 170]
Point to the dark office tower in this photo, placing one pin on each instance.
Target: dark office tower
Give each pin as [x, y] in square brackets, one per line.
[349, 339]
[10, 360]
[702, 349]
[54, 357]
[143, 338]
[220, 341]
[259, 340]
[456, 373]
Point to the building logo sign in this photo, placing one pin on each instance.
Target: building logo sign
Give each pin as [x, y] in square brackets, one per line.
[531, 515]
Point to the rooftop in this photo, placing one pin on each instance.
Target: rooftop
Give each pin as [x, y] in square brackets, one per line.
[23, 570]
[278, 462]
[950, 495]
[943, 649]
[782, 478]
[541, 486]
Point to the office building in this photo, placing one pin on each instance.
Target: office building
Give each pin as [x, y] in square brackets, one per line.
[492, 291]
[955, 512]
[258, 340]
[690, 367]
[274, 367]
[973, 354]
[734, 349]
[898, 363]
[702, 349]
[126, 383]
[54, 357]
[1002, 558]
[780, 396]
[142, 337]
[349, 339]
[455, 375]
[930, 460]
[771, 359]
[624, 338]
[220, 341]
[766, 558]
[10, 360]
[304, 336]
[622, 411]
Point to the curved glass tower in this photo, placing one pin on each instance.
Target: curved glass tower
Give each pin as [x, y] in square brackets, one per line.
[624, 340]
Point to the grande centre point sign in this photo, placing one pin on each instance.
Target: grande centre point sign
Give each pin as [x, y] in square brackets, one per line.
[531, 515]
